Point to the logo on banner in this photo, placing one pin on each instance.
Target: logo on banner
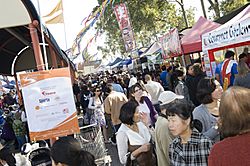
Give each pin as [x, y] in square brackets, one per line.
[236, 33]
[48, 93]
[122, 17]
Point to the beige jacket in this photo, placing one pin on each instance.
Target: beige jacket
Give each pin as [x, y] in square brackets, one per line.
[113, 104]
[162, 140]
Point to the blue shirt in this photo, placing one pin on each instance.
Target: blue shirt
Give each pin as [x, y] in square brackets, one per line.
[163, 78]
[233, 72]
[218, 71]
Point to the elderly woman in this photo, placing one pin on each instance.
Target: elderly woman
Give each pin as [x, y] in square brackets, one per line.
[209, 92]
[145, 105]
[133, 138]
[189, 147]
[235, 128]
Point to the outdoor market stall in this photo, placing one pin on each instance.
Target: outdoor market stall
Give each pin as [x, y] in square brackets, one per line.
[234, 33]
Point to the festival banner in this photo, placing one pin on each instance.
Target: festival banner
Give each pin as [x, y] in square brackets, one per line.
[171, 45]
[122, 17]
[224, 36]
[49, 103]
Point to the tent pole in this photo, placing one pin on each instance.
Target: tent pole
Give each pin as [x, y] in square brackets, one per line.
[183, 60]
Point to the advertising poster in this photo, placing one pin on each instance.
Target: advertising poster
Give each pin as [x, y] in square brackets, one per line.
[171, 45]
[122, 17]
[49, 103]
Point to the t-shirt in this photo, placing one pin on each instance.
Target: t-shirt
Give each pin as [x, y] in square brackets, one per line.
[163, 77]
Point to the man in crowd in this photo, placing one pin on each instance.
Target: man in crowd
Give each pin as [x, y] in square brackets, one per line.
[112, 106]
[163, 77]
[154, 89]
[228, 69]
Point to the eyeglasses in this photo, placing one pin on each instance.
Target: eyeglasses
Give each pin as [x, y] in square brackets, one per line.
[97, 90]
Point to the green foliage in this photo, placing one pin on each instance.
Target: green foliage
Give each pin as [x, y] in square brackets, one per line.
[227, 6]
[150, 19]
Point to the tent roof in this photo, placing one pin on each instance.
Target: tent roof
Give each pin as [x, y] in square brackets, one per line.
[16, 50]
[191, 42]
[226, 18]
[117, 60]
[151, 49]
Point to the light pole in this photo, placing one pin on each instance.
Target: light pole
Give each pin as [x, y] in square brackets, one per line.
[183, 11]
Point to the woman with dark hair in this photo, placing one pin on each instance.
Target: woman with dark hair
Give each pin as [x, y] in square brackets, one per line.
[133, 137]
[145, 105]
[189, 147]
[180, 87]
[234, 110]
[96, 104]
[192, 83]
[67, 151]
[209, 92]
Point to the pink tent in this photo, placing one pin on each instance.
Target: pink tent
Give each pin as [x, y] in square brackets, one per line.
[191, 42]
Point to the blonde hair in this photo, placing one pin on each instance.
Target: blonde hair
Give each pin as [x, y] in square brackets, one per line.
[235, 111]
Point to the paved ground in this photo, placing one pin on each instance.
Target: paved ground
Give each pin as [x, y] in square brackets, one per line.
[112, 151]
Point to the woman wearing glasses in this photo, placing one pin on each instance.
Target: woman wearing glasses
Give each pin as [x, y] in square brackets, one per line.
[96, 104]
[145, 105]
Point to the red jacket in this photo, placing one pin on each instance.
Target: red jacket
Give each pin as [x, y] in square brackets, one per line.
[232, 151]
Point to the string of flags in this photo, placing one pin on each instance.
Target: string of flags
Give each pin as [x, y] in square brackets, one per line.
[89, 22]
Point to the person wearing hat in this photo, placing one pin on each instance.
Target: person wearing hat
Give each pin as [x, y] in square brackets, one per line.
[162, 135]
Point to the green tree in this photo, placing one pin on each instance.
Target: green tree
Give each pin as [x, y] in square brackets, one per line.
[150, 19]
[227, 6]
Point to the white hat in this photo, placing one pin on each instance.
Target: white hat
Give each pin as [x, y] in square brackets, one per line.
[132, 81]
[168, 96]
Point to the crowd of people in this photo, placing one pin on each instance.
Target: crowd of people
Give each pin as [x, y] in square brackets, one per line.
[176, 116]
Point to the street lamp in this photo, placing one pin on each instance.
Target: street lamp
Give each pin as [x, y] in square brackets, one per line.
[183, 10]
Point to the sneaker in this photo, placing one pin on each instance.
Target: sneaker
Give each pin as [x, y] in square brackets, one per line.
[113, 143]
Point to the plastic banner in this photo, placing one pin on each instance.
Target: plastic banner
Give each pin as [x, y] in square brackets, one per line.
[49, 103]
[122, 17]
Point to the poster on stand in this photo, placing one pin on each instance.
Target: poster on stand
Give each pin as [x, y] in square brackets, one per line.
[49, 103]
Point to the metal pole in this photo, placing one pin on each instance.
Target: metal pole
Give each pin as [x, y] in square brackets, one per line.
[43, 39]
[36, 46]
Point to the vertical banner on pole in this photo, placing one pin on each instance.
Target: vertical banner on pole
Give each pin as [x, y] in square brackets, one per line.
[171, 45]
[122, 17]
[49, 103]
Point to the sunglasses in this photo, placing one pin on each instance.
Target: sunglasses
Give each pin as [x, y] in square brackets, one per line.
[98, 91]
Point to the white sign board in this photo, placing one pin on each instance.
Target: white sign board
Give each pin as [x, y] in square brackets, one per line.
[236, 33]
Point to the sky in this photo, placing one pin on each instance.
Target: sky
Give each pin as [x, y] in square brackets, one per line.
[76, 10]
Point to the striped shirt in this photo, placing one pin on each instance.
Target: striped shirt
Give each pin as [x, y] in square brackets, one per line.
[194, 153]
